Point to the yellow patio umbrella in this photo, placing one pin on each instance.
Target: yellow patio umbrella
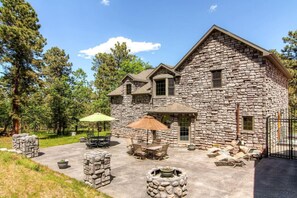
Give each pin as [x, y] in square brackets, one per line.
[148, 123]
[97, 117]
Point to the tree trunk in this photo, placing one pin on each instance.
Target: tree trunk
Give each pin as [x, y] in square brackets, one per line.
[16, 104]
[6, 124]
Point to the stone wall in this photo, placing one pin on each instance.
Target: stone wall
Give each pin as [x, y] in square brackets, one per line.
[26, 144]
[97, 171]
[247, 78]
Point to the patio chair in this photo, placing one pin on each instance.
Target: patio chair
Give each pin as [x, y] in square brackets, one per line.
[91, 142]
[138, 152]
[130, 146]
[104, 141]
[162, 152]
[157, 141]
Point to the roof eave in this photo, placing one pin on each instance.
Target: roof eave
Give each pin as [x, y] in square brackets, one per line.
[141, 94]
[166, 67]
[214, 27]
[177, 112]
[275, 61]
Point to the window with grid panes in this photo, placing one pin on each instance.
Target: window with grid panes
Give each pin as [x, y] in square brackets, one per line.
[170, 86]
[128, 89]
[184, 133]
[217, 78]
[248, 123]
[160, 87]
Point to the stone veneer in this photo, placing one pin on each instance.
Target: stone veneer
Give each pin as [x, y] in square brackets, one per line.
[97, 171]
[26, 144]
[172, 187]
[248, 78]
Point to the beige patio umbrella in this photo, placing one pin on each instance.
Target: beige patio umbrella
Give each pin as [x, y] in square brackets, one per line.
[148, 123]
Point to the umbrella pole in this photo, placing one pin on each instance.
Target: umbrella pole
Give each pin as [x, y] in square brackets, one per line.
[146, 137]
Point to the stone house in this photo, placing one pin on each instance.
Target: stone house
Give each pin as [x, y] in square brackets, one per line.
[221, 90]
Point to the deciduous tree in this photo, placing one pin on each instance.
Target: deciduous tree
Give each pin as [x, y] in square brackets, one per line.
[110, 69]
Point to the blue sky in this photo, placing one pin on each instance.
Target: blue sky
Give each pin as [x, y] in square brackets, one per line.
[158, 30]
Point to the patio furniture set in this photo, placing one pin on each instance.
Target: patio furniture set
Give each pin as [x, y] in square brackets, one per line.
[98, 141]
[145, 150]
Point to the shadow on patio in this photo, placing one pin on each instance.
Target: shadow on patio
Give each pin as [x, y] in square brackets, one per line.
[275, 178]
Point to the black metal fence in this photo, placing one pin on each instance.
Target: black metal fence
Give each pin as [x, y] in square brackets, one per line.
[282, 134]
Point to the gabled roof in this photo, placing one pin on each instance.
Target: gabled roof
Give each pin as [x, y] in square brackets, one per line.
[174, 108]
[116, 92]
[265, 52]
[162, 65]
[145, 89]
[141, 77]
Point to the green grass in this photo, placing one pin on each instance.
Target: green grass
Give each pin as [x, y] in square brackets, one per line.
[51, 139]
[22, 177]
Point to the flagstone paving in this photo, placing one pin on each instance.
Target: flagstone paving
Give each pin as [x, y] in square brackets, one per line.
[204, 178]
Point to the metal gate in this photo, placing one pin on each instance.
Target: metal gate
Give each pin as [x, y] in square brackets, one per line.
[281, 139]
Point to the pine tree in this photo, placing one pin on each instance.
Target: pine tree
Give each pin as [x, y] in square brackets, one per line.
[289, 59]
[57, 70]
[21, 46]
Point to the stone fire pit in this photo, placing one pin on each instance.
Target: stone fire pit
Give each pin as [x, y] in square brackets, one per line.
[167, 187]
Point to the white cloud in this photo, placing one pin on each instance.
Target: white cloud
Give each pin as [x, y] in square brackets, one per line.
[134, 46]
[213, 8]
[105, 2]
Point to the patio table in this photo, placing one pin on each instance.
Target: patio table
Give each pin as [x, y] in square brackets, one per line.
[151, 149]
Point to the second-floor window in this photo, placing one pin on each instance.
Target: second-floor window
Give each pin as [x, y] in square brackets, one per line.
[248, 123]
[217, 78]
[170, 86]
[160, 87]
[128, 89]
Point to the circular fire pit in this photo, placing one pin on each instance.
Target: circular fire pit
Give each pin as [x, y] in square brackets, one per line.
[173, 186]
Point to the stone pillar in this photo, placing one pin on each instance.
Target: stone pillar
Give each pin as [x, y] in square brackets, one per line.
[97, 168]
[26, 144]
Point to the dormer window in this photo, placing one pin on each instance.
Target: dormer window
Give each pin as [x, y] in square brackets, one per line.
[170, 86]
[128, 89]
[164, 85]
[160, 87]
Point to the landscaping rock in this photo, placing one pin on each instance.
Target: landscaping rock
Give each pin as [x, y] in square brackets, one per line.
[244, 149]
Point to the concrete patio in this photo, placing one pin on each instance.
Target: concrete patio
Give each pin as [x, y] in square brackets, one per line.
[204, 178]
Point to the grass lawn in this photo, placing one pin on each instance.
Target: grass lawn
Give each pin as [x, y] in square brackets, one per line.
[21, 177]
[50, 139]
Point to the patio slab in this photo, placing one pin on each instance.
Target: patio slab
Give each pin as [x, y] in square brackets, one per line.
[129, 174]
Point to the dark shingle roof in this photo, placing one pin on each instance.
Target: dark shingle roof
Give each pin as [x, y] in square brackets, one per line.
[117, 92]
[145, 89]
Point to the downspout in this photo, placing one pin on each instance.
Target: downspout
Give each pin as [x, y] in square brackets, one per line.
[237, 122]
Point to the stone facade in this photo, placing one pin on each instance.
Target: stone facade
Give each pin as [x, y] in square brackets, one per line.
[97, 171]
[248, 79]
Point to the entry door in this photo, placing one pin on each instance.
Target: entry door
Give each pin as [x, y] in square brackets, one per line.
[184, 129]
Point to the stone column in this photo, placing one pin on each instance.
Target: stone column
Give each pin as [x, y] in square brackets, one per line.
[26, 144]
[97, 171]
